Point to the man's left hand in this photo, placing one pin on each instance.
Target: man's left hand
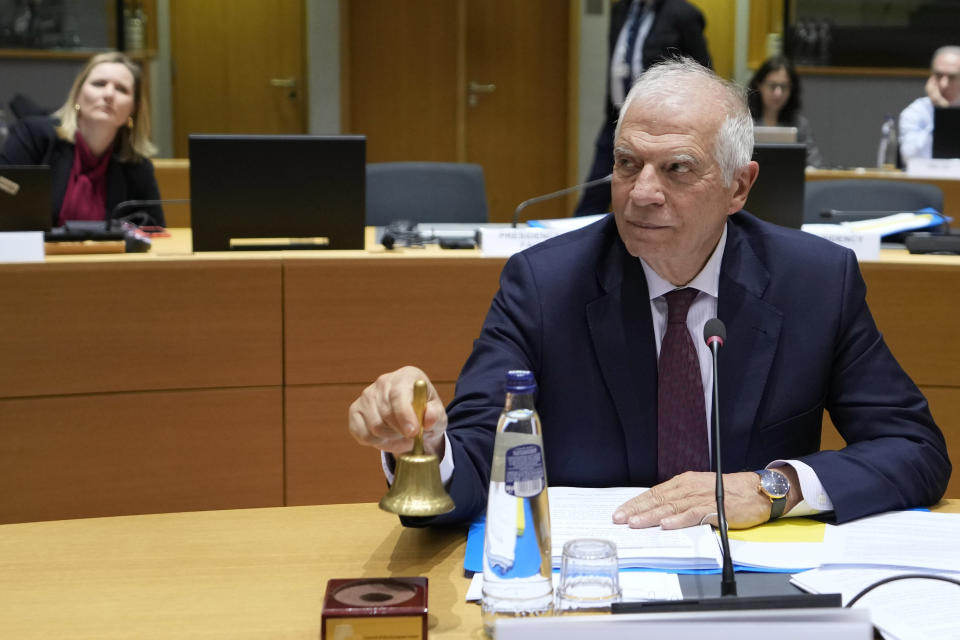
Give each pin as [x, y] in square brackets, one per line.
[689, 499]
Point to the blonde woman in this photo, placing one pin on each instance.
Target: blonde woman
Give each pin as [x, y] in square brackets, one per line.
[97, 145]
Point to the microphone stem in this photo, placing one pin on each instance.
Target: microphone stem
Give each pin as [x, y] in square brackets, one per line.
[728, 584]
[554, 194]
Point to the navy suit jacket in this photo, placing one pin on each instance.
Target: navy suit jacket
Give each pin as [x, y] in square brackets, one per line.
[800, 339]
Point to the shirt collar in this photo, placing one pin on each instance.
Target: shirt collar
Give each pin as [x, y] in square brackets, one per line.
[708, 280]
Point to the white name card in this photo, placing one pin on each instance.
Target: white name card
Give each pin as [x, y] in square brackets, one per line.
[506, 241]
[784, 624]
[865, 245]
[21, 246]
[933, 168]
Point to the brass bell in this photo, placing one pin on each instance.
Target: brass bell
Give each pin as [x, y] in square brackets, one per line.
[417, 489]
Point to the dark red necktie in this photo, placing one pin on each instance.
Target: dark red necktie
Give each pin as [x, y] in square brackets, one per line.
[681, 415]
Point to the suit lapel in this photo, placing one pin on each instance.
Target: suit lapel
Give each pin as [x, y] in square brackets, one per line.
[753, 331]
[622, 333]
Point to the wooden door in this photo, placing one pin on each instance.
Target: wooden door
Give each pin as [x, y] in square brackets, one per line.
[238, 67]
[408, 69]
[519, 131]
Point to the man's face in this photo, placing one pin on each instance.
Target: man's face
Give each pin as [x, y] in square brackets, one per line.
[946, 72]
[669, 197]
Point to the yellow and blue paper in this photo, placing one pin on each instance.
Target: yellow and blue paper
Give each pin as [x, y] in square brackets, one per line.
[784, 530]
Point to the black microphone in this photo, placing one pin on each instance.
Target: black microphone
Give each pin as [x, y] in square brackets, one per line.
[714, 334]
[556, 194]
[114, 214]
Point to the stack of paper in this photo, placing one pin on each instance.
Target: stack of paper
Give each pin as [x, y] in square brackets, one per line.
[902, 610]
[903, 542]
[588, 513]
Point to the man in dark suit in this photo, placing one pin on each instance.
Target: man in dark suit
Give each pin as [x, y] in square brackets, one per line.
[642, 33]
[589, 313]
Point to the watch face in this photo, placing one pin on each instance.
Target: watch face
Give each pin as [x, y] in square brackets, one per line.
[774, 484]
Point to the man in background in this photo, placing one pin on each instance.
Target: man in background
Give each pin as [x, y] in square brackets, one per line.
[642, 32]
[943, 90]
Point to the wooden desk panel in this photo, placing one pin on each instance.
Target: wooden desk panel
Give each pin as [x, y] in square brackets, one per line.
[324, 464]
[315, 328]
[119, 326]
[351, 320]
[128, 453]
[915, 306]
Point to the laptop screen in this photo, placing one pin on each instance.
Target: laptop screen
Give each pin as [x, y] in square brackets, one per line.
[25, 200]
[777, 195]
[774, 135]
[277, 192]
[946, 132]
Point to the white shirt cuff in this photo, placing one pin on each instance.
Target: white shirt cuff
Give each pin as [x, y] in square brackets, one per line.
[388, 463]
[814, 497]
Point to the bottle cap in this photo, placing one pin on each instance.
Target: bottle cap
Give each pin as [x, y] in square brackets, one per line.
[520, 381]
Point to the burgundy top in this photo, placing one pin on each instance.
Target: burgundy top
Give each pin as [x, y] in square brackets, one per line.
[86, 195]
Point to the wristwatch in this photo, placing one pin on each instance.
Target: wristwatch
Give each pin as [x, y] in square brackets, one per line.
[775, 486]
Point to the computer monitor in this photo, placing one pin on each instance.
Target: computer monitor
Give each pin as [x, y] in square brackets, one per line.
[25, 199]
[774, 135]
[277, 192]
[946, 132]
[777, 194]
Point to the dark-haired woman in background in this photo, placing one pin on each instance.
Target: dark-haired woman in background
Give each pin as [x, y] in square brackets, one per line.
[97, 144]
[775, 102]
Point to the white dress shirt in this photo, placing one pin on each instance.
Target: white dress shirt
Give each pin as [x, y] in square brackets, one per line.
[916, 130]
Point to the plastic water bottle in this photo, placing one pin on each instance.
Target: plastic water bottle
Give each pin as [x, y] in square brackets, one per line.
[887, 150]
[516, 551]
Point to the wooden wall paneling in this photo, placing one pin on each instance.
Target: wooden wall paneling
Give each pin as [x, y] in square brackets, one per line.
[518, 131]
[720, 32]
[324, 464]
[402, 90]
[348, 321]
[225, 58]
[130, 453]
[103, 327]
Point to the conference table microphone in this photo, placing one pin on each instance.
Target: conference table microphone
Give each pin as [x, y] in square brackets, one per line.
[715, 334]
[126, 205]
[556, 194]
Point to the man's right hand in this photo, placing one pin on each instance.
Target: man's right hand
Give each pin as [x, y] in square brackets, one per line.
[933, 92]
[383, 416]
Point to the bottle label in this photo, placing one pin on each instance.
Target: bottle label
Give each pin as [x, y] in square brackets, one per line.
[523, 471]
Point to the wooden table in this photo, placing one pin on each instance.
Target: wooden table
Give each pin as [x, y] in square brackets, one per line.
[173, 381]
[254, 573]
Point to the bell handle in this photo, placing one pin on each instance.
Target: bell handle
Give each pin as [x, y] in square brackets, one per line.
[419, 408]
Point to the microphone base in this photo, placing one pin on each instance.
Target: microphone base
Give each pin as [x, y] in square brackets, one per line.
[732, 603]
